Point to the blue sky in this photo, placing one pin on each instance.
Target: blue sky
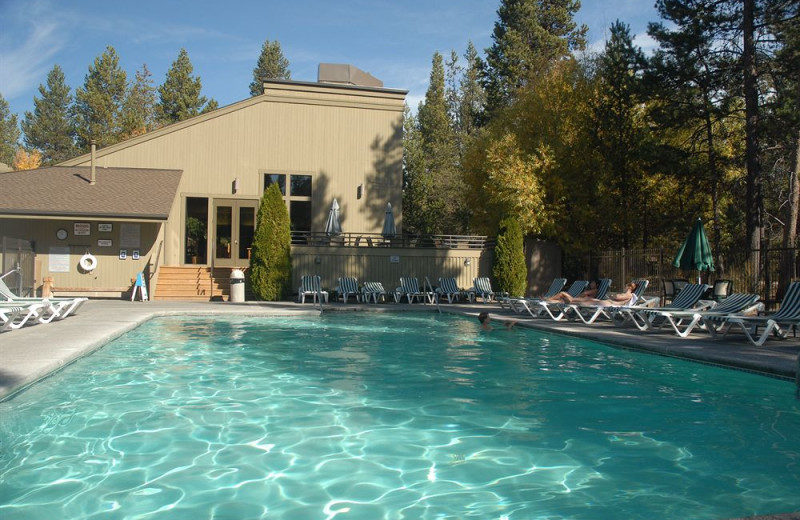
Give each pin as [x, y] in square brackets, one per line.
[392, 40]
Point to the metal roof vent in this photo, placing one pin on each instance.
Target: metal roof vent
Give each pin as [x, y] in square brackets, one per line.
[343, 74]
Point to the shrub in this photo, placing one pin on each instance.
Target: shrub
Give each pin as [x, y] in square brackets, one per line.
[510, 271]
[270, 257]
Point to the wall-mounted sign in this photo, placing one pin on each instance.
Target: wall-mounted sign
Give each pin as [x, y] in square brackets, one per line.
[130, 235]
[82, 229]
[123, 254]
[58, 259]
[105, 228]
[135, 254]
[394, 259]
[105, 243]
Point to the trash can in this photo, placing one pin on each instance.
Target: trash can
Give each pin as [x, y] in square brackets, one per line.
[237, 286]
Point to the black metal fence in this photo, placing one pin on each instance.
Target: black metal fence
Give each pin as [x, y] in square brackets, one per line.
[766, 271]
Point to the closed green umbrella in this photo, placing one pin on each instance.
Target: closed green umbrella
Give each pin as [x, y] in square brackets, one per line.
[695, 253]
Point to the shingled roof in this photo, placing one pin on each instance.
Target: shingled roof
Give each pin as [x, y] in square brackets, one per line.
[65, 191]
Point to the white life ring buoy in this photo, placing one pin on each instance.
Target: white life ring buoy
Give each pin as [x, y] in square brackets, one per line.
[88, 262]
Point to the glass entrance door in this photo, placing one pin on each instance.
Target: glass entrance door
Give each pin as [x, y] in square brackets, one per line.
[234, 227]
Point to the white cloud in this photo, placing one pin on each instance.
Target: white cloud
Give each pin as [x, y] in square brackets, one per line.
[23, 66]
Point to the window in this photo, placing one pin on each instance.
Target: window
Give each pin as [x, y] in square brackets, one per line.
[298, 200]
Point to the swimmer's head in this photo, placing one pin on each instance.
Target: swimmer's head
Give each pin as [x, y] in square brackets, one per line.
[483, 317]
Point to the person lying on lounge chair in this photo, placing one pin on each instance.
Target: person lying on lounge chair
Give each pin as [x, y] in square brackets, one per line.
[625, 298]
[564, 297]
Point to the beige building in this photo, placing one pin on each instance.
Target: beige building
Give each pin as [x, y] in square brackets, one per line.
[317, 141]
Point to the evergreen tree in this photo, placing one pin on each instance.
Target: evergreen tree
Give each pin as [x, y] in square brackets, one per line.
[619, 130]
[98, 109]
[179, 96]
[446, 211]
[510, 270]
[270, 259]
[528, 37]
[416, 183]
[9, 133]
[689, 81]
[472, 96]
[140, 104]
[271, 65]
[49, 128]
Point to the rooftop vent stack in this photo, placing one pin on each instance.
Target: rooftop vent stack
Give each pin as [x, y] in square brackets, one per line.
[344, 74]
[93, 179]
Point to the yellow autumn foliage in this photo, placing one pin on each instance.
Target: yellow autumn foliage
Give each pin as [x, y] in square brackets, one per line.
[513, 182]
[25, 160]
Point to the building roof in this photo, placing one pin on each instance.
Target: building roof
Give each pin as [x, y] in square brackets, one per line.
[62, 191]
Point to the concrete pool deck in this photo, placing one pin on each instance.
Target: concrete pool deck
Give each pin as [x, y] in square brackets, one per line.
[32, 352]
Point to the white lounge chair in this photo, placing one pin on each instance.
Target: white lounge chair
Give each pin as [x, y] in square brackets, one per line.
[373, 291]
[555, 310]
[311, 285]
[409, 288]
[482, 287]
[589, 313]
[555, 287]
[688, 298]
[779, 323]
[348, 286]
[17, 316]
[58, 308]
[448, 287]
[684, 322]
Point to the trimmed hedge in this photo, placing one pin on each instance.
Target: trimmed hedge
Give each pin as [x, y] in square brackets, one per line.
[270, 258]
[510, 271]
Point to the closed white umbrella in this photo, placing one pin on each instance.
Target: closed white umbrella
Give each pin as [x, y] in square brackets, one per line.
[333, 226]
[389, 229]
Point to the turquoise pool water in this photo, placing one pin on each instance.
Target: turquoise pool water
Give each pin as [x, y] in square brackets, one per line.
[416, 416]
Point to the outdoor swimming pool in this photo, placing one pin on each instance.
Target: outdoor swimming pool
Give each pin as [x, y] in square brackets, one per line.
[392, 416]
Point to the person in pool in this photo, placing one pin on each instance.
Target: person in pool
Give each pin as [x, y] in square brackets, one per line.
[486, 322]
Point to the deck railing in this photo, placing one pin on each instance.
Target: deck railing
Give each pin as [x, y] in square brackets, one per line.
[313, 238]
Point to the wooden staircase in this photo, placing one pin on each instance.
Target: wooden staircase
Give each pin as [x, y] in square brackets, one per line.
[192, 283]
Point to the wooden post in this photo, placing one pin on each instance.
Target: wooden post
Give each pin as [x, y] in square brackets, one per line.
[47, 287]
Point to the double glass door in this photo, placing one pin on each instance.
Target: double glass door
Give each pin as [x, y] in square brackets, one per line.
[234, 227]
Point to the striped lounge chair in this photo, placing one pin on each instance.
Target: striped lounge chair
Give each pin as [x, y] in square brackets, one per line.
[780, 322]
[348, 286]
[373, 291]
[448, 287]
[311, 285]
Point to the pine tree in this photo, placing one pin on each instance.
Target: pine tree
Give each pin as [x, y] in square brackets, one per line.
[529, 36]
[98, 109]
[472, 95]
[9, 133]
[140, 104]
[416, 182]
[49, 128]
[446, 212]
[272, 64]
[690, 81]
[270, 260]
[618, 127]
[179, 96]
